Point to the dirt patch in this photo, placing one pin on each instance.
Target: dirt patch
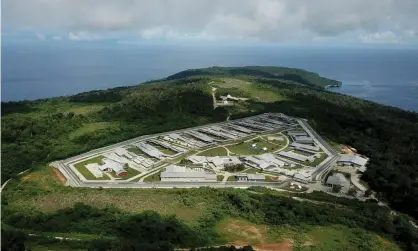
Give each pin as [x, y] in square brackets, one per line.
[283, 246]
[59, 175]
[27, 177]
[385, 242]
[241, 233]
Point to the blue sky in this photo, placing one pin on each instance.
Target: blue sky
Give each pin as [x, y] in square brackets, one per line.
[284, 22]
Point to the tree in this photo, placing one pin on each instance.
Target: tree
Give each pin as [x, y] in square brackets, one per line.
[352, 191]
[368, 192]
[13, 240]
[336, 188]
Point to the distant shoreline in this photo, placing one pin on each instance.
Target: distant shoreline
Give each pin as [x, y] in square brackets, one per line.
[328, 86]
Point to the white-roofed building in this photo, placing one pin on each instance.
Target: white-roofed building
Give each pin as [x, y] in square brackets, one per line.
[250, 177]
[296, 156]
[297, 133]
[256, 177]
[259, 162]
[217, 161]
[305, 146]
[184, 174]
[272, 159]
[353, 160]
[338, 179]
[115, 166]
[200, 136]
[302, 177]
[304, 139]
[122, 152]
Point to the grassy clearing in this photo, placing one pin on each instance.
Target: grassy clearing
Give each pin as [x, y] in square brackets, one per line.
[251, 170]
[271, 179]
[262, 237]
[131, 173]
[343, 238]
[263, 93]
[54, 106]
[85, 172]
[91, 127]
[233, 83]
[218, 151]
[219, 177]
[317, 161]
[35, 246]
[232, 178]
[41, 190]
[86, 109]
[244, 148]
[153, 177]
[241, 232]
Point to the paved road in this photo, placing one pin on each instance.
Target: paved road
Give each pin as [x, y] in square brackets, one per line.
[74, 180]
[236, 184]
[325, 167]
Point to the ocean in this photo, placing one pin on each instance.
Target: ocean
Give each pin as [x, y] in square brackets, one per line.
[386, 76]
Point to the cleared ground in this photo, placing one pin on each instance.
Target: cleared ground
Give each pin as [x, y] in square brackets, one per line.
[86, 173]
[42, 190]
[240, 232]
[245, 148]
[218, 151]
[91, 127]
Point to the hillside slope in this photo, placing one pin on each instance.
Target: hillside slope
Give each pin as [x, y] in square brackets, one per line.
[36, 132]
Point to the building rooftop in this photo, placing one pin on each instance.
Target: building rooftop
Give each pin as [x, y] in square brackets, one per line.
[355, 159]
[295, 156]
[337, 179]
[305, 146]
[254, 176]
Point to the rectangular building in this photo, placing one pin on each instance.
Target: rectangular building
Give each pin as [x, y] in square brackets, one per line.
[176, 173]
[352, 160]
[305, 146]
[295, 156]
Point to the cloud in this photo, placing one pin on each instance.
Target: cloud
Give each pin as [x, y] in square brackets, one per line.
[40, 36]
[83, 36]
[387, 37]
[258, 20]
[56, 38]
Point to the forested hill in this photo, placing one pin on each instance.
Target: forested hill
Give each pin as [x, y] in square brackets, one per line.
[283, 74]
[37, 132]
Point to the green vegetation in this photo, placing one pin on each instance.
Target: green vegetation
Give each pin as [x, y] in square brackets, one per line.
[91, 127]
[153, 177]
[271, 179]
[245, 148]
[219, 177]
[252, 170]
[232, 178]
[131, 173]
[234, 168]
[37, 132]
[333, 237]
[136, 150]
[273, 217]
[317, 161]
[86, 173]
[217, 151]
